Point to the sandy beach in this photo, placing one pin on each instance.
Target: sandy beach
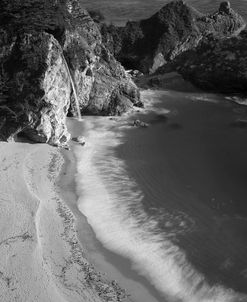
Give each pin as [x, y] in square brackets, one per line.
[111, 265]
[41, 258]
[66, 222]
[132, 191]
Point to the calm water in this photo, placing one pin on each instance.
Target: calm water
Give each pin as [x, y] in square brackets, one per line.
[120, 11]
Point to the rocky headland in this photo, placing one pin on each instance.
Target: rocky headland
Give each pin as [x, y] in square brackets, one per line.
[51, 53]
[154, 42]
[208, 50]
[55, 60]
[217, 64]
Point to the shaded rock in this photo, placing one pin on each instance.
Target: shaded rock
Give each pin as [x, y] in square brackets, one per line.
[44, 47]
[79, 139]
[151, 43]
[225, 7]
[97, 74]
[138, 123]
[218, 64]
[134, 73]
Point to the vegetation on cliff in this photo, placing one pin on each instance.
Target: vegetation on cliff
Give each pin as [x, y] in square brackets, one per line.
[38, 40]
[151, 43]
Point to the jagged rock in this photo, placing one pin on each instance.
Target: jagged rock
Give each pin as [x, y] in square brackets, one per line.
[79, 139]
[138, 123]
[225, 7]
[97, 74]
[134, 73]
[217, 64]
[151, 43]
[35, 92]
[44, 46]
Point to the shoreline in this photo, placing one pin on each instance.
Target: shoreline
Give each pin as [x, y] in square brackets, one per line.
[41, 258]
[92, 143]
[108, 263]
[67, 189]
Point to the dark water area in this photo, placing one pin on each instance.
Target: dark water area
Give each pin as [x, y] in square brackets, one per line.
[191, 165]
[171, 198]
[120, 11]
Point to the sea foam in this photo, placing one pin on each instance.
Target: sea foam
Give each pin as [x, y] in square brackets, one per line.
[112, 202]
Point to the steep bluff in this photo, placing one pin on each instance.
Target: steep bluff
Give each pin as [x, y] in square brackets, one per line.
[217, 64]
[151, 43]
[38, 40]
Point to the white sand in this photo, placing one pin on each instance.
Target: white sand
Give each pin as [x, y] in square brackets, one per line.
[40, 258]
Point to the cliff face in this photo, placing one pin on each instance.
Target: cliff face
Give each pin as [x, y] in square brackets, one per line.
[217, 64]
[35, 88]
[177, 27]
[43, 46]
[100, 79]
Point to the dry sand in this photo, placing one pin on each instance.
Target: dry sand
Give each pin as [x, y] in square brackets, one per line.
[41, 258]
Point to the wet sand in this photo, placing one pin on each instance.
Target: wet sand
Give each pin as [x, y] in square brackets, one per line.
[189, 252]
[187, 165]
[41, 259]
[111, 265]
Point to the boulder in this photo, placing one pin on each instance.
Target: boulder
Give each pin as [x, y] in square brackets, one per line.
[138, 123]
[225, 7]
[79, 139]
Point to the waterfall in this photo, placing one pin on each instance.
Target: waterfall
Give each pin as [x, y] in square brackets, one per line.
[73, 88]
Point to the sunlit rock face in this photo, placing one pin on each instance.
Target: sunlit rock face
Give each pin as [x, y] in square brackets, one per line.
[44, 47]
[35, 94]
[97, 74]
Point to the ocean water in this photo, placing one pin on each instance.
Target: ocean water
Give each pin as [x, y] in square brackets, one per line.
[170, 198]
[120, 11]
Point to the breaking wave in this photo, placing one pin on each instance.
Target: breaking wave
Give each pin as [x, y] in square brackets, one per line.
[112, 202]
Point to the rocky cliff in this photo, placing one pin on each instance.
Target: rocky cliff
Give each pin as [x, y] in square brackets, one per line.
[44, 47]
[217, 64]
[149, 44]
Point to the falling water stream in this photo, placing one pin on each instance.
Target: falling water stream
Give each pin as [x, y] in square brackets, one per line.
[73, 88]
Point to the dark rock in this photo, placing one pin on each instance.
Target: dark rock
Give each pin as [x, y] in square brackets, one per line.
[44, 46]
[35, 87]
[97, 74]
[225, 7]
[79, 139]
[149, 44]
[218, 64]
[138, 123]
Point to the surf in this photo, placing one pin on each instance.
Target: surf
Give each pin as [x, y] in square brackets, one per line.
[112, 202]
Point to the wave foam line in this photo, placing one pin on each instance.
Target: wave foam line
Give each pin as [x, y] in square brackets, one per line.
[112, 202]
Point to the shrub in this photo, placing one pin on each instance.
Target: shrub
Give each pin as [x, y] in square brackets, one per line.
[96, 15]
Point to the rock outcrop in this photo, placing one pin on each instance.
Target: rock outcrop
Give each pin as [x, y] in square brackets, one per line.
[35, 88]
[149, 44]
[217, 64]
[44, 46]
[103, 86]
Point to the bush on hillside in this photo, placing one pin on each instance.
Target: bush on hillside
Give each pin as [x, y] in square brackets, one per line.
[96, 15]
